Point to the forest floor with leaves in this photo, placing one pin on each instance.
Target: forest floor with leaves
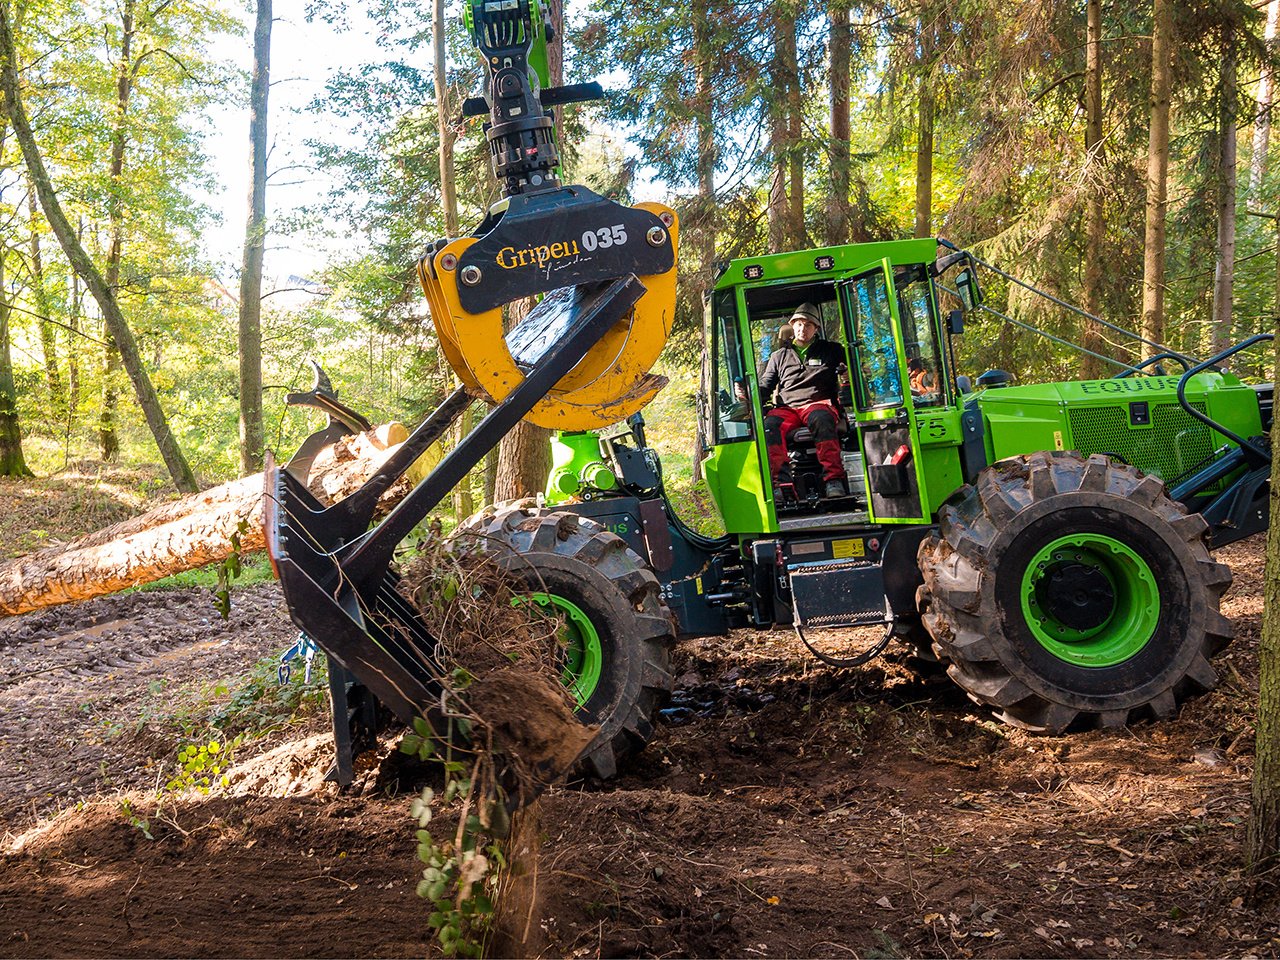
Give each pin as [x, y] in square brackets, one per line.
[782, 809]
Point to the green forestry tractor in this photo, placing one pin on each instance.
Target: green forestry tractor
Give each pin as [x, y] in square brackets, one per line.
[1048, 544]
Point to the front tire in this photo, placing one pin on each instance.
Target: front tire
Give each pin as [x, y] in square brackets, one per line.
[1067, 592]
[619, 633]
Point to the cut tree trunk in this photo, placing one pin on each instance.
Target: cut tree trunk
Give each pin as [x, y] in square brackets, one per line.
[188, 533]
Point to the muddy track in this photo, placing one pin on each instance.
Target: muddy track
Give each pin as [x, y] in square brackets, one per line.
[78, 684]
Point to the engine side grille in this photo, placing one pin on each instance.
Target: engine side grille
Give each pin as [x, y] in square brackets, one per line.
[1173, 445]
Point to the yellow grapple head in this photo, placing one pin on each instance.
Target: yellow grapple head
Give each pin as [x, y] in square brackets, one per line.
[541, 243]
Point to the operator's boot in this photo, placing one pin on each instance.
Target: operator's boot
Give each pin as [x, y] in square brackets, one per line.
[835, 489]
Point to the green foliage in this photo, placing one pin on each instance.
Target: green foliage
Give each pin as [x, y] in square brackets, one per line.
[202, 766]
[461, 873]
[258, 703]
[228, 570]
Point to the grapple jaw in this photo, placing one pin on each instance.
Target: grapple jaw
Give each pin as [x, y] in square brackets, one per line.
[543, 242]
[368, 628]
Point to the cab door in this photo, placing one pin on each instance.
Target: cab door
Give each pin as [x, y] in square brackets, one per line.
[882, 397]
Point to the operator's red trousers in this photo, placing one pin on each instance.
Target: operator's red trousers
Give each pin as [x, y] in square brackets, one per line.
[821, 419]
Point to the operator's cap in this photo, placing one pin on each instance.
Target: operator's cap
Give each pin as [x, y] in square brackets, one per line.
[807, 311]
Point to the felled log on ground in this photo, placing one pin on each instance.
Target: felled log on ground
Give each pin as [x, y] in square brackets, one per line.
[188, 533]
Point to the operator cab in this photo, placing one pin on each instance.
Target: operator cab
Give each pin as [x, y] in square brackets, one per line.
[768, 313]
[900, 416]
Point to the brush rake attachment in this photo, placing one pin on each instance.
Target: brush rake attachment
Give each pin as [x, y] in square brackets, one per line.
[336, 571]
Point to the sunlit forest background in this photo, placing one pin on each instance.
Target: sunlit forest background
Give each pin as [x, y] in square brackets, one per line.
[1023, 131]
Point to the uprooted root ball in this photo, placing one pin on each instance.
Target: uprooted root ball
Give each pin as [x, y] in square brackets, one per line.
[502, 660]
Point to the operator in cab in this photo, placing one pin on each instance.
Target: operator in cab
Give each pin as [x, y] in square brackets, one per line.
[806, 375]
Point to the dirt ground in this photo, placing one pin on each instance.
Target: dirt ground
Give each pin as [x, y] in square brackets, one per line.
[782, 809]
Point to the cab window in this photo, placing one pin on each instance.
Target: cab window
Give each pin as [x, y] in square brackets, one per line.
[733, 414]
[919, 337]
[867, 303]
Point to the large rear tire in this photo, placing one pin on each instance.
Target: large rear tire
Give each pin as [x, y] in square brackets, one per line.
[1067, 592]
[618, 632]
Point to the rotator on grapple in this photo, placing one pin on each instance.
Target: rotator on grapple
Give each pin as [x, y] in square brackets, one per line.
[1049, 544]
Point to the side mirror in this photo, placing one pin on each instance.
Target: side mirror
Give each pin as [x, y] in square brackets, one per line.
[967, 287]
[964, 384]
[955, 322]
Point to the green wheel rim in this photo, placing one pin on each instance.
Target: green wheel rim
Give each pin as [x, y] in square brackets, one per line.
[583, 651]
[1131, 621]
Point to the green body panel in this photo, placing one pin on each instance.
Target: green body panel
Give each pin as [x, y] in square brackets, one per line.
[1095, 416]
[736, 482]
[576, 463]
[938, 456]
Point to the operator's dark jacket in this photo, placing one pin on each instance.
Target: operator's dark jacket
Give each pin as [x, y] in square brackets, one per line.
[799, 382]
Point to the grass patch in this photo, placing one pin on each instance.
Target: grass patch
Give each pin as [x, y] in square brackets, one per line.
[251, 704]
[254, 569]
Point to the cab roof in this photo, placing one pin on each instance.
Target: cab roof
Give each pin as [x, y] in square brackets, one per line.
[825, 262]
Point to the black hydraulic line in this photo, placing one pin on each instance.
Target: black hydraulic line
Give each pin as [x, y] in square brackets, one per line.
[865, 657]
[1137, 368]
[1062, 303]
[1263, 456]
[701, 541]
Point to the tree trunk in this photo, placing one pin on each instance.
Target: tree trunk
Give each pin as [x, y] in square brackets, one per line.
[73, 361]
[188, 533]
[840, 39]
[252, 441]
[1266, 90]
[1262, 843]
[1157, 178]
[48, 341]
[524, 461]
[1095, 225]
[463, 503]
[102, 292]
[777, 212]
[702, 231]
[12, 463]
[108, 439]
[1225, 266]
[448, 189]
[924, 133]
[798, 238]
[555, 68]
[524, 456]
